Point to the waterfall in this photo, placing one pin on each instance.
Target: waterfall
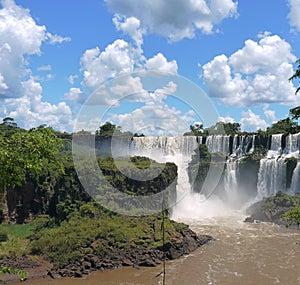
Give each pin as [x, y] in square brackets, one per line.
[276, 146]
[252, 144]
[242, 144]
[271, 176]
[292, 145]
[272, 170]
[295, 185]
[231, 179]
[218, 143]
[178, 150]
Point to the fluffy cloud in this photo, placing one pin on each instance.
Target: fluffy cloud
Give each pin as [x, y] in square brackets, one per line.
[19, 36]
[32, 111]
[118, 60]
[160, 63]
[256, 74]
[226, 119]
[270, 114]
[175, 19]
[252, 122]
[130, 26]
[294, 14]
[153, 120]
[21, 98]
[99, 66]
[74, 94]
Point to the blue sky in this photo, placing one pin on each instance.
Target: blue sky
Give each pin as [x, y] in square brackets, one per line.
[54, 54]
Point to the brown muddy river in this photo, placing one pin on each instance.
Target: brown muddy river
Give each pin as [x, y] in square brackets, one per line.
[242, 254]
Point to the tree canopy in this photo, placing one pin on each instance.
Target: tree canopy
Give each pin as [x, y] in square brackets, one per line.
[295, 112]
[25, 152]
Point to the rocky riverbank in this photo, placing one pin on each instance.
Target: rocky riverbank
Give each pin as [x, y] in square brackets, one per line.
[274, 209]
[183, 242]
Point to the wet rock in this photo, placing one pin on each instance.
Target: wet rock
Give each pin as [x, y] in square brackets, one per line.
[249, 220]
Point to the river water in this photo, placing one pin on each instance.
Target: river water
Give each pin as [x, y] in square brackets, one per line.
[242, 254]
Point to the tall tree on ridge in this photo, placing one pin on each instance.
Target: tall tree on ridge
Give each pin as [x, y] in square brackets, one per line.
[295, 112]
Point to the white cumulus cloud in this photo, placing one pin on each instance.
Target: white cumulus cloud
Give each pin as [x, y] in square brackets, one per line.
[74, 94]
[153, 120]
[226, 119]
[270, 114]
[99, 66]
[31, 111]
[252, 122]
[294, 14]
[21, 94]
[118, 61]
[160, 63]
[175, 19]
[254, 75]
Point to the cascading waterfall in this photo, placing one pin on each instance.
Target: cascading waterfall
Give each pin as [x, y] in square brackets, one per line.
[271, 176]
[218, 143]
[178, 150]
[272, 170]
[231, 178]
[292, 145]
[295, 184]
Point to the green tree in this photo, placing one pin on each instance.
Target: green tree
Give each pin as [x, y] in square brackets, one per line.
[224, 128]
[285, 126]
[108, 130]
[296, 75]
[295, 112]
[197, 129]
[293, 216]
[22, 153]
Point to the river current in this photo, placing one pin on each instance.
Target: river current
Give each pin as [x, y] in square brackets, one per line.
[241, 254]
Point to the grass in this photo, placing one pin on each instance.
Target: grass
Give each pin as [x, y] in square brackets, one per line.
[19, 231]
[18, 240]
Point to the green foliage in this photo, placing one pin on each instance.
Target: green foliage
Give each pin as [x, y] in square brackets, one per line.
[196, 130]
[293, 216]
[296, 75]
[68, 242]
[25, 152]
[108, 130]
[199, 166]
[256, 155]
[21, 231]
[281, 208]
[224, 128]
[295, 113]
[16, 243]
[285, 126]
[141, 162]
[22, 274]
[3, 236]
[163, 175]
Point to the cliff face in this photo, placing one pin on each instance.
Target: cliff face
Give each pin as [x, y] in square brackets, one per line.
[58, 194]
